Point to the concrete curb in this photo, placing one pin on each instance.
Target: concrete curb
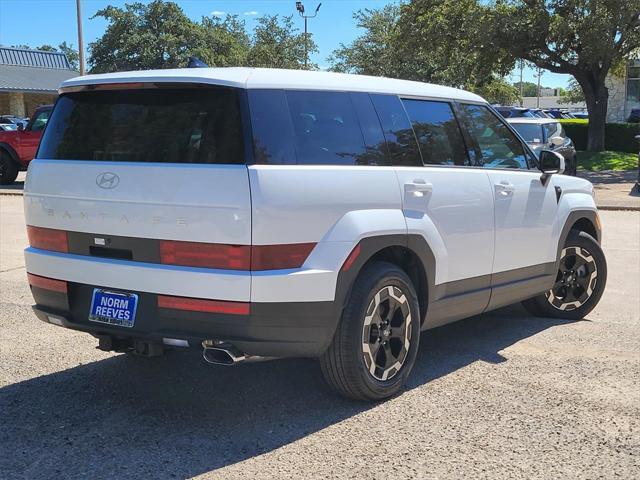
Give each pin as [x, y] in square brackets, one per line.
[617, 208]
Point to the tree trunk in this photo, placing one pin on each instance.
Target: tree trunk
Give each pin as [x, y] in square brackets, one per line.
[596, 96]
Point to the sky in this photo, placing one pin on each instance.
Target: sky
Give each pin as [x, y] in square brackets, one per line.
[37, 22]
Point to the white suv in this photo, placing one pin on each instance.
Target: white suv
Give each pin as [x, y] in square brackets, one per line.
[256, 213]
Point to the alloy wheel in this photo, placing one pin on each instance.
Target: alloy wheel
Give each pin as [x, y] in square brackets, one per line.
[576, 279]
[386, 333]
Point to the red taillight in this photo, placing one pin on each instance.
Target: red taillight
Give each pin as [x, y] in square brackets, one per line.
[59, 286]
[276, 257]
[47, 239]
[353, 256]
[203, 305]
[234, 257]
[206, 255]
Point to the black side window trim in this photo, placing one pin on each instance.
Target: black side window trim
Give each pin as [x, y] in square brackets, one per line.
[247, 129]
[415, 137]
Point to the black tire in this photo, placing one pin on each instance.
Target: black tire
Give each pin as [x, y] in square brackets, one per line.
[574, 166]
[345, 365]
[8, 169]
[579, 283]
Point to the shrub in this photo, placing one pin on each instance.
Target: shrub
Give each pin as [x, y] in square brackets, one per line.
[619, 137]
[577, 131]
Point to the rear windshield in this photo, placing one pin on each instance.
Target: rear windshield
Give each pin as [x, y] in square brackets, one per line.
[171, 125]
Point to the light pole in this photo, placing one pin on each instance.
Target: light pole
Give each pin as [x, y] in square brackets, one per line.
[300, 9]
[521, 86]
[80, 43]
[539, 77]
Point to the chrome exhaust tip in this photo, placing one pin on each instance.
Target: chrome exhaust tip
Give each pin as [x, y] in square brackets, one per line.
[221, 353]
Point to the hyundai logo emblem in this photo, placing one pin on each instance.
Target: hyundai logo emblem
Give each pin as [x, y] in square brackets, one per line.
[107, 180]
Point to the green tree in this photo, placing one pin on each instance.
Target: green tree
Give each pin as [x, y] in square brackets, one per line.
[439, 41]
[584, 38]
[529, 89]
[157, 35]
[450, 37]
[71, 54]
[378, 51]
[277, 43]
[223, 43]
[160, 35]
[498, 91]
[572, 94]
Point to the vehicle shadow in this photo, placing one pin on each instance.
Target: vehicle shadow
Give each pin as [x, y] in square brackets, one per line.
[176, 417]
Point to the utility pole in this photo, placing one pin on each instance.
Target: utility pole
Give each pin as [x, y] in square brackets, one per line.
[300, 9]
[80, 43]
[521, 86]
[539, 76]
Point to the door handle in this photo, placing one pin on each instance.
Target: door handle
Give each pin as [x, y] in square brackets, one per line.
[418, 188]
[504, 188]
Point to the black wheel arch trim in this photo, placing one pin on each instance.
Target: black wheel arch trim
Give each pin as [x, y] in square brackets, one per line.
[575, 218]
[374, 245]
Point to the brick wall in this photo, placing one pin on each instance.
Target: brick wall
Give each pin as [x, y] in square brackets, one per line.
[4, 103]
[33, 100]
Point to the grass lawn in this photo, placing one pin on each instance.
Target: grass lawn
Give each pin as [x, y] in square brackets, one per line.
[597, 161]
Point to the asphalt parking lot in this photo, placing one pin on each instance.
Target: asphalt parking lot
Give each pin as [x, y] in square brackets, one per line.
[498, 395]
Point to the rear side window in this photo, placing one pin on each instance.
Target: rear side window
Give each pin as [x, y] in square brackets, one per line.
[325, 128]
[169, 125]
[437, 132]
[401, 141]
[492, 143]
[315, 128]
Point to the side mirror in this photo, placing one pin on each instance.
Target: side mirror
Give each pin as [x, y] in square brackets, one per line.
[550, 163]
[556, 141]
[20, 127]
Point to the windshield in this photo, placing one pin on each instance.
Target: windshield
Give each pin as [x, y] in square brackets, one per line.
[531, 132]
[172, 125]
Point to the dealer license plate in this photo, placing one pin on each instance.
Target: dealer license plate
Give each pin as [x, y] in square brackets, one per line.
[113, 308]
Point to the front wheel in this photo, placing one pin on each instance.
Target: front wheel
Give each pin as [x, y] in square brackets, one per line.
[579, 284]
[375, 345]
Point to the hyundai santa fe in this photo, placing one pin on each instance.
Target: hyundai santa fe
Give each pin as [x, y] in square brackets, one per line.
[259, 213]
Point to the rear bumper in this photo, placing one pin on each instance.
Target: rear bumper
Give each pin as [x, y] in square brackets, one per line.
[302, 329]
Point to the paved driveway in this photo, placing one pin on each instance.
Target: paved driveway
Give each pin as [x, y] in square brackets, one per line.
[498, 395]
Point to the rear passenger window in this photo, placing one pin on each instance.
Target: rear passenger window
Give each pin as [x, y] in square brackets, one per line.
[401, 141]
[314, 128]
[325, 128]
[437, 132]
[492, 143]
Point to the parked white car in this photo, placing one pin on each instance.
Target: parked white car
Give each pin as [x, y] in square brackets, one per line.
[269, 213]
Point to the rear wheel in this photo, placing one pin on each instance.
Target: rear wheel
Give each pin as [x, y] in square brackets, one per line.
[8, 169]
[375, 344]
[580, 281]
